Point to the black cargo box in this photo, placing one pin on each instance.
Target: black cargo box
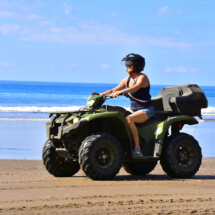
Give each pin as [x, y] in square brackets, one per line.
[186, 99]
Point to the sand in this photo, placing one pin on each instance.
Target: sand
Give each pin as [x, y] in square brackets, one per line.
[27, 188]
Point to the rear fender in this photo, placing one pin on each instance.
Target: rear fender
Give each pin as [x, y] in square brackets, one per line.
[163, 127]
[162, 130]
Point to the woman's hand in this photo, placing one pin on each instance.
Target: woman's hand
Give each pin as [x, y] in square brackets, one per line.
[116, 94]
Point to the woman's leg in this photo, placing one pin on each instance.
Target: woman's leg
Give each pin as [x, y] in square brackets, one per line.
[137, 117]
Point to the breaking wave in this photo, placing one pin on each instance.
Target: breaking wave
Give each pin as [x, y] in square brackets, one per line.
[35, 109]
[210, 111]
[34, 113]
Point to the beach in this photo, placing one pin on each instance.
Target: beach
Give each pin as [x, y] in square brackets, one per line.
[27, 188]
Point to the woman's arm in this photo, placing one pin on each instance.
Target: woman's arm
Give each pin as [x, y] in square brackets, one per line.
[141, 83]
[117, 88]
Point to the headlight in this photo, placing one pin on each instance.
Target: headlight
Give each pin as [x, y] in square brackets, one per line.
[73, 120]
[90, 103]
[76, 119]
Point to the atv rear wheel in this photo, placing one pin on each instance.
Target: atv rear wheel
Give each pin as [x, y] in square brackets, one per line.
[139, 168]
[56, 164]
[100, 156]
[181, 156]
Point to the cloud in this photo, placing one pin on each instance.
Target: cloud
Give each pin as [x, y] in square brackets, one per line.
[113, 14]
[34, 17]
[167, 42]
[177, 32]
[180, 69]
[36, 28]
[8, 28]
[87, 32]
[105, 66]
[6, 14]
[56, 30]
[51, 66]
[163, 10]
[19, 16]
[21, 5]
[166, 10]
[20, 9]
[71, 65]
[5, 64]
[67, 8]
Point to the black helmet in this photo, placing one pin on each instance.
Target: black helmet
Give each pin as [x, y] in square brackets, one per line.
[134, 59]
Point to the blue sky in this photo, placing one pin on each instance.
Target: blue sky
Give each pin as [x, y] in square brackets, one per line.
[85, 40]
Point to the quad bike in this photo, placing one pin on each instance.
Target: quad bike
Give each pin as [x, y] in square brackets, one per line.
[96, 138]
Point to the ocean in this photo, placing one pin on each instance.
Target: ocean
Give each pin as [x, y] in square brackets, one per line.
[24, 108]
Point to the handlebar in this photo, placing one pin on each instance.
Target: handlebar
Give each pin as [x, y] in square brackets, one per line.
[110, 95]
[107, 96]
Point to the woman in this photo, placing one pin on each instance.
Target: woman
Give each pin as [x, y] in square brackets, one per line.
[136, 87]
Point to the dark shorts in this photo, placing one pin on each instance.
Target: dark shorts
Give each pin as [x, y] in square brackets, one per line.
[149, 111]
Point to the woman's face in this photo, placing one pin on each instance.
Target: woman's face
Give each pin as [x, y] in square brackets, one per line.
[130, 68]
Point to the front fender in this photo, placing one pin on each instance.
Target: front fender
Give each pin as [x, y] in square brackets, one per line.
[163, 127]
[107, 120]
[73, 128]
[108, 114]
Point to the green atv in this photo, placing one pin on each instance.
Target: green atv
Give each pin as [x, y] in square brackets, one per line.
[96, 138]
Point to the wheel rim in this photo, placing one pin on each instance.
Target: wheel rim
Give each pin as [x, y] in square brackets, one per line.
[103, 157]
[185, 156]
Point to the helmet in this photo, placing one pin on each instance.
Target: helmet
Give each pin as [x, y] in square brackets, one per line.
[134, 59]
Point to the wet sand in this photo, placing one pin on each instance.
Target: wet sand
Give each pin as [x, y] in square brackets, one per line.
[27, 188]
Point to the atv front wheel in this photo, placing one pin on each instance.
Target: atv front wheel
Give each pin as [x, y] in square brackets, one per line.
[139, 168]
[100, 156]
[181, 156]
[56, 164]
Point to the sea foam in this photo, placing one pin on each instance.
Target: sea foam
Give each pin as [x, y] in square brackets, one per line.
[210, 111]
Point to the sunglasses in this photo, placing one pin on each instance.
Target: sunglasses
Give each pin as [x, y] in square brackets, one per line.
[128, 63]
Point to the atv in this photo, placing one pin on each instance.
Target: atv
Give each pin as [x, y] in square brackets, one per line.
[96, 138]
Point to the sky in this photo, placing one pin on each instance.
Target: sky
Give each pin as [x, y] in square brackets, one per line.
[85, 40]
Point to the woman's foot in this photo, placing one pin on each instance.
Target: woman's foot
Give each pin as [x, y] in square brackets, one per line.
[137, 154]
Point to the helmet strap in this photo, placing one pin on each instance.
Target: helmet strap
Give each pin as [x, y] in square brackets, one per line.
[131, 73]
